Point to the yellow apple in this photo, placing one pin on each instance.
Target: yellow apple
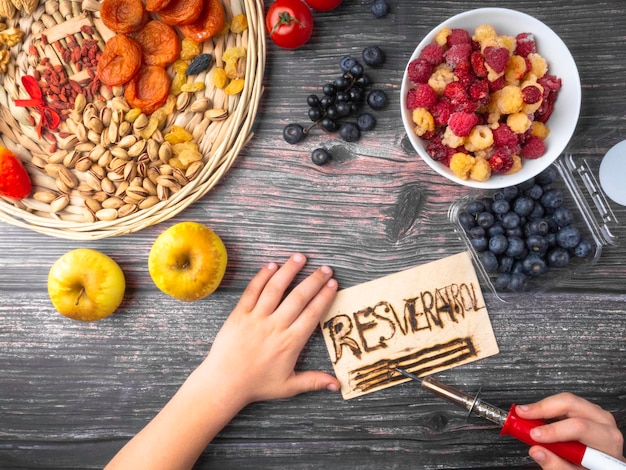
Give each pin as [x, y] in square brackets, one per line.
[86, 285]
[187, 261]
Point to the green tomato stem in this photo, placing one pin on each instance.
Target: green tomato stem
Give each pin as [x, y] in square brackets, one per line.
[284, 18]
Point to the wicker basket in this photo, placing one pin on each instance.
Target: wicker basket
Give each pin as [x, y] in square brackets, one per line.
[219, 144]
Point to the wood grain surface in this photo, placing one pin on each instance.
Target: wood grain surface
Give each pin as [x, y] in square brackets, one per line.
[71, 394]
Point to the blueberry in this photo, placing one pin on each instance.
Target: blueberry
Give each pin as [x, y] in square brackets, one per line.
[377, 99]
[523, 206]
[498, 244]
[475, 207]
[558, 257]
[515, 247]
[510, 192]
[534, 192]
[496, 229]
[346, 63]
[526, 184]
[476, 232]
[380, 8]
[534, 265]
[501, 206]
[503, 281]
[329, 124]
[498, 195]
[466, 220]
[538, 211]
[537, 227]
[584, 249]
[515, 232]
[562, 216]
[293, 133]
[489, 260]
[551, 238]
[537, 244]
[373, 56]
[518, 268]
[552, 198]
[506, 264]
[366, 122]
[511, 220]
[480, 243]
[485, 219]
[349, 131]
[320, 156]
[568, 237]
[518, 282]
[313, 100]
[547, 176]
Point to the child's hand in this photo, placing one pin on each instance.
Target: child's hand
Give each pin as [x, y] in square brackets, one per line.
[254, 354]
[580, 421]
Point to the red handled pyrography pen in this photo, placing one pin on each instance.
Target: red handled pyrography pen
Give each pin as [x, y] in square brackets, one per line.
[519, 428]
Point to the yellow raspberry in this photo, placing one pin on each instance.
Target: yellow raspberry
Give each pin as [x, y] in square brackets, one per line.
[518, 122]
[509, 42]
[510, 99]
[424, 121]
[451, 139]
[539, 66]
[540, 130]
[481, 171]
[517, 165]
[461, 165]
[480, 138]
[483, 32]
[442, 36]
[441, 76]
[515, 70]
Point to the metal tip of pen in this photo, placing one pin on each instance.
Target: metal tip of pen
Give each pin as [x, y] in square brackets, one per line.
[408, 374]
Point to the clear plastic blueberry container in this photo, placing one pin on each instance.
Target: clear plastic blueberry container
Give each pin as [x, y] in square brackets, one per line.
[591, 213]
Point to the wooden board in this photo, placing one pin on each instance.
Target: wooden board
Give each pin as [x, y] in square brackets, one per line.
[424, 319]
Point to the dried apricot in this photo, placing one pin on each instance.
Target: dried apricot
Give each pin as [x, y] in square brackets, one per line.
[120, 60]
[159, 43]
[123, 16]
[148, 89]
[208, 24]
[181, 12]
[156, 5]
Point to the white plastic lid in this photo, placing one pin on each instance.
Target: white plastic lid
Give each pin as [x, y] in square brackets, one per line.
[612, 172]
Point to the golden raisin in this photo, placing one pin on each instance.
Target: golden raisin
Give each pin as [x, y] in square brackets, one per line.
[239, 23]
[189, 49]
[235, 86]
[193, 87]
[219, 77]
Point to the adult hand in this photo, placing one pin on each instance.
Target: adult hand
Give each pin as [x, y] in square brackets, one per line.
[579, 420]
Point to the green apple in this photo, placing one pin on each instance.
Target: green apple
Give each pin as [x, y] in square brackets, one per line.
[86, 285]
[187, 261]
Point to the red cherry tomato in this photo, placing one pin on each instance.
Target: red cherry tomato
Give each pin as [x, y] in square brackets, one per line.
[289, 23]
[323, 5]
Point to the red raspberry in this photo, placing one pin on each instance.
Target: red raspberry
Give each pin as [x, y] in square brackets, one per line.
[462, 123]
[549, 83]
[544, 112]
[496, 84]
[463, 73]
[441, 112]
[455, 91]
[497, 58]
[501, 160]
[432, 53]
[478, 64]
[458, 53]
[503, 136]
[422, 96]
[479, 92]
[531, 94]
[419, 70]
[439, 152]
[458, 36]
[534, 147]
[525, 44]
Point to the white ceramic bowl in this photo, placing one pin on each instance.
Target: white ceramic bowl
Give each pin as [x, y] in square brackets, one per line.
[564, 118]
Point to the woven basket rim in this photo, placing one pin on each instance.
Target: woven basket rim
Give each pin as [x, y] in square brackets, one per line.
[234, 134]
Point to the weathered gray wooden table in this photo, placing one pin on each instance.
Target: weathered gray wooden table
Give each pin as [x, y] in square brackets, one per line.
[71, 394]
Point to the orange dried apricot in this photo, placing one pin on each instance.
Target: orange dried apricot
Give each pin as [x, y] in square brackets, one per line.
[123, 16]
[148, 89]
[181, 12]
[120, 60]
[208, 24]
[159, 43]
[156, 5]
